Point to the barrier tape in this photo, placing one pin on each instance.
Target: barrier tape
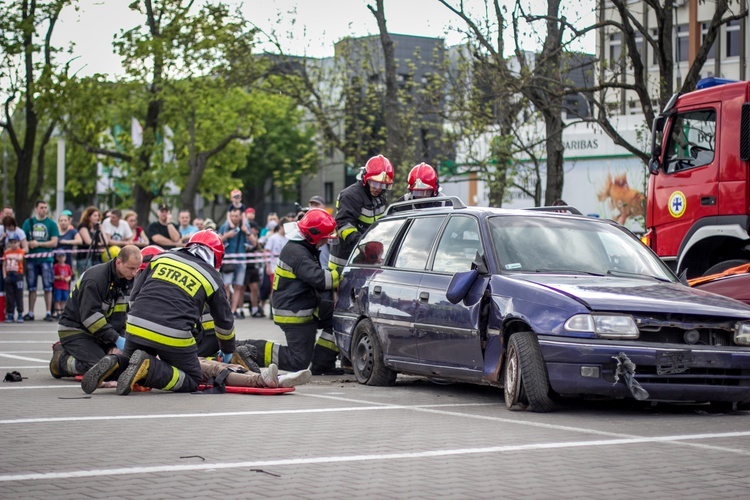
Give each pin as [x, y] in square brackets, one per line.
[230, 258]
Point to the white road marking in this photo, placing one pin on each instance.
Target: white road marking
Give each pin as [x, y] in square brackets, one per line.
[47, 351]
[22, 358]
[17, 387]
[23, 367]
[358, 458]
[48, 342]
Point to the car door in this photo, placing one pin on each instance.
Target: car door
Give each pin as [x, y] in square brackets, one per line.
[448, 338]
[393, 291]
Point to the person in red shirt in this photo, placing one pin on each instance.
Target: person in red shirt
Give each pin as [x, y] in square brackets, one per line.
[63, 273]
[13, 276]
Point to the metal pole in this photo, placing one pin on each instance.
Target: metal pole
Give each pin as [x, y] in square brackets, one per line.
[60, 176]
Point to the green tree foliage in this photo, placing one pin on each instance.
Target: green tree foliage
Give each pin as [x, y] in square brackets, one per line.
[28, 74]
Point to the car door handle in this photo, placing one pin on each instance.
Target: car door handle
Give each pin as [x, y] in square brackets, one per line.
[708, 200]
[424, 296]
[377, 289]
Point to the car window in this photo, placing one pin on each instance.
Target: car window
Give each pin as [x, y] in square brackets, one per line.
[692, 141]
[557, 244]
[417, 243]
[374, 245]
[458, 245]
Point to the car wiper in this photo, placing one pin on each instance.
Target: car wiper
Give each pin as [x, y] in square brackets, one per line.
[617, 272]
[567, 271]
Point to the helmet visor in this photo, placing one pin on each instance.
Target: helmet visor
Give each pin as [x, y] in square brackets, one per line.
[379, 185]
[421, 193]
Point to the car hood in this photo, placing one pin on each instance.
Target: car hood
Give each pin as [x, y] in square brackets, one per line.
[638, 295]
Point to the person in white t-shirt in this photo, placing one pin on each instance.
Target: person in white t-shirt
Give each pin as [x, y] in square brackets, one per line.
[117, 229]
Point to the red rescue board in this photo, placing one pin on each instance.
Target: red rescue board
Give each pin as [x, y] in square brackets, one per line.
[263, 391]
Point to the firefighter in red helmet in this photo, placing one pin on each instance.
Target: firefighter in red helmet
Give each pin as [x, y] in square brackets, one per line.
[359, 206]
[167, 302]
[301, 304]
[423, 183]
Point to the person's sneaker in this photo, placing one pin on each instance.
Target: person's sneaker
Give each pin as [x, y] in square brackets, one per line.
[327, 371]
[242, 313]
[28, 317]
[20, 319]
[270, 376]
[295, 378]
[136, 371]
[245, 356]
[258, 314]
[9, 319]
[236, 315]
[49, 317]
[54, 364]
[99, 372]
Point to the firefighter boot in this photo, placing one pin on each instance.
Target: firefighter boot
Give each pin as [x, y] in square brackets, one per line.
[324, 355]
[99, 373]
[54, 364]
[137, 370]
[245, 356]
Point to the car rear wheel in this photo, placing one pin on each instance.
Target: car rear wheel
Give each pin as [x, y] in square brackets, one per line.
[525, 378]
[723, 266]
[367, 357]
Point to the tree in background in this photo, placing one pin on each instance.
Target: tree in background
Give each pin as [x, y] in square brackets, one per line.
[28, 76]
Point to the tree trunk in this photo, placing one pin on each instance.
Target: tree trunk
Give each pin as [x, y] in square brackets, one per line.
[553, 125]
[187, 198]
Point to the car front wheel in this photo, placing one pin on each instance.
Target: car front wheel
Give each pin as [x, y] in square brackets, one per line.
[525, 377]
[367, 357]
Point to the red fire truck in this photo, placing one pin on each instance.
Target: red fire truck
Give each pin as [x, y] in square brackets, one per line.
[698, 201]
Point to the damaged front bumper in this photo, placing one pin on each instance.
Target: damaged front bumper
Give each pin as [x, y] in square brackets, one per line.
[669, 372]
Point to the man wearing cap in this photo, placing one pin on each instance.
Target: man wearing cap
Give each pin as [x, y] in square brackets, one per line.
[162, 232]
[317, 202]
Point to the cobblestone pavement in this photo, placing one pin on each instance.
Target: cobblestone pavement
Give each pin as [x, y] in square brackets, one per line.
[335, 438]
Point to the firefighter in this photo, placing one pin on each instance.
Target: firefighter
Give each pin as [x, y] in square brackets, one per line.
[166, 303]
[93, 321]
[300, 303]
[358, 207]
[423, 183]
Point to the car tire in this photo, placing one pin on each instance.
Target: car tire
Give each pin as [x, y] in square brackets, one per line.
[525, 381]
[367, 357]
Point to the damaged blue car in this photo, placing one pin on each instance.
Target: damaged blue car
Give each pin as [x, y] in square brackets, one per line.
[545, 304]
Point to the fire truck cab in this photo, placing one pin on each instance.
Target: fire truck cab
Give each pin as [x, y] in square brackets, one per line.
[698, 199]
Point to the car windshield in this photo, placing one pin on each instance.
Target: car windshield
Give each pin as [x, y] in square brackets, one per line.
[571, 246]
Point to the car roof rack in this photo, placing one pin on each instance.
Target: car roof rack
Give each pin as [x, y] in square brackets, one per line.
[433, 202]
[558, 208]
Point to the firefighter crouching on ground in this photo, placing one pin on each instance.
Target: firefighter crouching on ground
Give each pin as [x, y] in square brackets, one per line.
[166, 303]
[298, 309]
[358, 207]
[94, 317]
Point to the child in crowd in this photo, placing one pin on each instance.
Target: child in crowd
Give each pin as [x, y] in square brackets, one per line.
[13, 276]
[63, 273]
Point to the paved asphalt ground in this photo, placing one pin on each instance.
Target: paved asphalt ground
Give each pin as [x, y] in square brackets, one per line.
[337, 439]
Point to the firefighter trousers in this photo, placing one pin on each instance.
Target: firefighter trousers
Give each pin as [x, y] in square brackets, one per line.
[81, 352]
[301, 349]
[176, 371]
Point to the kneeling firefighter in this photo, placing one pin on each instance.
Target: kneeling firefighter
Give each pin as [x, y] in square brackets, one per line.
[302, 300]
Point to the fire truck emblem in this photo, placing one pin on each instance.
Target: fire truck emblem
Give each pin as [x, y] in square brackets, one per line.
[677, 204]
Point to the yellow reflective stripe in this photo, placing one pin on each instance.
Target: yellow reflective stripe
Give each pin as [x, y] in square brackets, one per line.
[225, 336]
[158, 337]
[175, 378]
[291, 319]
[285, 274]
[208, 325]
[121, 308]
[366, 220]
[346, 232]
[98, 324]
[327, 344]
[161, 273]
[268, 354]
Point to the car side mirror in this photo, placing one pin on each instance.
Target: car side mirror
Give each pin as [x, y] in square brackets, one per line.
[653, 166]
[460, 285]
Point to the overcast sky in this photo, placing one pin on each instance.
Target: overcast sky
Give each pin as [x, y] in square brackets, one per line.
[317, 25]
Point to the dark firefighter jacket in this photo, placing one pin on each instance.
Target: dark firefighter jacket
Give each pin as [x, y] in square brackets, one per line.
[98, 305]
[168, 300]
[297, 281]
[356, 211]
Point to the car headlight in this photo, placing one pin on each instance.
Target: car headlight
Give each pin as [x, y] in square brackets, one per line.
[742, 333]
[606, 326]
